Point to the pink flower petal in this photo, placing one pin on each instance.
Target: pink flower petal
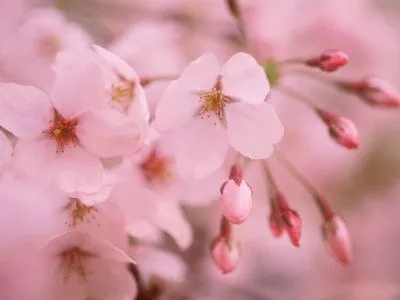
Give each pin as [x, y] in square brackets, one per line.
[109, 133]
[177, 107]
[136, 202]
[253, 130]
[201, 74]
[24, 110]
[115, 62]
[78, 88]
[76, 170]
[5, 150]
[32, 158]
[157, 262]
[171, 219]
[201, 148]
[244, 79]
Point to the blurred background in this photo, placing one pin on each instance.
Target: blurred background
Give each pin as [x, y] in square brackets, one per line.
[159, 37]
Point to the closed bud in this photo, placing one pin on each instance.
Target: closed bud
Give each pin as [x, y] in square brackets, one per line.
[236, 201]
[342, 130]
[374, 91]
[283, 218]
[337, 239]
[275, 224]
[225, 253]
[292, 223]
[329, 60]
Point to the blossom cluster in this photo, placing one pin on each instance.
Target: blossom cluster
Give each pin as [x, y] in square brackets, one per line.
[95, 168]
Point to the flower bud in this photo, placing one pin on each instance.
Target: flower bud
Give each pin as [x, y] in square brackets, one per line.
[236, 201]
[337, 239]
[225, 253]
[292, 223]
[329, 60]
[275, 225]
[283, 218]
[342, 130]
[374, 91]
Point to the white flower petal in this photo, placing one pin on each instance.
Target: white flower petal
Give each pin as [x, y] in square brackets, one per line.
[253, 130]
[244, 79]
[24, 110]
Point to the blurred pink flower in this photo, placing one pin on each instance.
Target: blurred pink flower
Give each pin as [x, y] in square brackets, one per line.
[76, 265]
[152, 175]
[210, 109]
[35, 43]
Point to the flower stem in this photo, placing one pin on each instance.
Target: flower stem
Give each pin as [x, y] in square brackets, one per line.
[296, 95]
[319, 200]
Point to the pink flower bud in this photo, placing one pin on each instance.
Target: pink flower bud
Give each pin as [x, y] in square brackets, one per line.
[283, 218]
[342, 130]
[276, 226]
[374, 91]
[329, 60]
[225, 253]
[293, 226]
[337, 239]
[236, 201]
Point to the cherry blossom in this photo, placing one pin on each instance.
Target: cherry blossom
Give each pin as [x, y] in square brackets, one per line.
[211, 108]
[36, 42]
[152, 174]
[70, 127]
[79, 266]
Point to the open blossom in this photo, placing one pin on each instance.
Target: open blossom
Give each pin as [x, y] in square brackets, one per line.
[151, 174]
[71, 128]
[76, 265]
[210, 108]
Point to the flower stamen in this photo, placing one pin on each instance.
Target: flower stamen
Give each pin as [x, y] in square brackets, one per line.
[73, 261]
[63, 131]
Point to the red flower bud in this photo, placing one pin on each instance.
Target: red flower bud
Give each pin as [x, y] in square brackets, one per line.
[342, 130]
[225, 253]
[292, 223]
[276, 226]
[283, 218]
[337, 239]
[329, 60]
[374, 91]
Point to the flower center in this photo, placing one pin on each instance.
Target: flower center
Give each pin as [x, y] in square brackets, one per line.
[73, 262]
[63, 131]
[123, 92]
[50, 46]
[213, 101]
[80, 213]
[156, 168]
